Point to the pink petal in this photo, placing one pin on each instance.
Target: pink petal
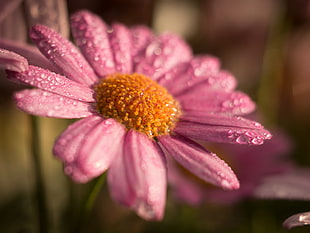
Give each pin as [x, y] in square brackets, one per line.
[63, 54]
[137, 179]
[31, 53]
[67, 145]
[99, 147]
[165, 52]
[292, 185]
[202, 68]
[12, 61]
[297, 220]
[222, 134]
[222, 81]
[91, 35]
[120, 42]
[53, 14]
[119, 187]
[220, 120]
[199, 161]
[183, 188]
[47, 104]
[141, 36]
[52, 82]
[146, 175]
[236, 103]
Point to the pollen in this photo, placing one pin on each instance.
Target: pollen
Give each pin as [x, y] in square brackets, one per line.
[137, 102]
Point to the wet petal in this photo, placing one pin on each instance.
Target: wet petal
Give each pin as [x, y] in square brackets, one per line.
[119, 187]
[165, 52]
[91, 35]
[67, 145]
[141, 36]
[236, 103]
[52, 82]
[137, 179]
[182, 187]
[99, 147]
[31, 53]
[297, 220]
[47, 104]
[12, 61]
[199, 69]
[223, 81]
[222, 134]
[220, 120]
[52, 14]
[199, 161]
[120, 42]
[63, 54]
[146, 174]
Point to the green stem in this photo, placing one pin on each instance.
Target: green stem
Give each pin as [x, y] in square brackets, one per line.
[40, 193]
[93, 194]
[271, 85]
[89, 203]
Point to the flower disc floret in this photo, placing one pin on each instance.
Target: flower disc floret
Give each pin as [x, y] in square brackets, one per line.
[138, 103]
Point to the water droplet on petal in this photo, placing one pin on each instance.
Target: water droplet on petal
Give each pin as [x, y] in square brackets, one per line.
[157, 51]
[68, 170]
[241, 139]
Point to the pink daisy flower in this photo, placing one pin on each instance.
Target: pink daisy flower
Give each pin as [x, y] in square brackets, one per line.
[142, 97]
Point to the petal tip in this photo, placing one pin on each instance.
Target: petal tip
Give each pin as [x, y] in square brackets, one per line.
[230, 185]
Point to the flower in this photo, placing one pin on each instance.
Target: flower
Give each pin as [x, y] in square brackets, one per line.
[252, 165]
[119, 86]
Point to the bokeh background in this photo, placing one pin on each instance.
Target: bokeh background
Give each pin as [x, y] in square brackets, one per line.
[265, 44]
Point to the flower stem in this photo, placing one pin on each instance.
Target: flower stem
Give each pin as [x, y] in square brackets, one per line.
[272, 83]
[89, 203]
[93, 194]
[40, 193]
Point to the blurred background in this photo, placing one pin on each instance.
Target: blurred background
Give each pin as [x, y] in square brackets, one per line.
[264, 44]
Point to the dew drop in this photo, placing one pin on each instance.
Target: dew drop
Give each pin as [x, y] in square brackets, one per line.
[230, 133]
[157, 51]
[227, 104]
[68, 170]
[256, 141]
[258, 125]
[62, 141]
[225, 184]
[50, 113]
[69, 159]
[241, 139]
[267, 135]
[19, 95]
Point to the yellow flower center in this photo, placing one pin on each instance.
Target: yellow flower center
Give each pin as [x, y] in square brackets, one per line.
[138, 103]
